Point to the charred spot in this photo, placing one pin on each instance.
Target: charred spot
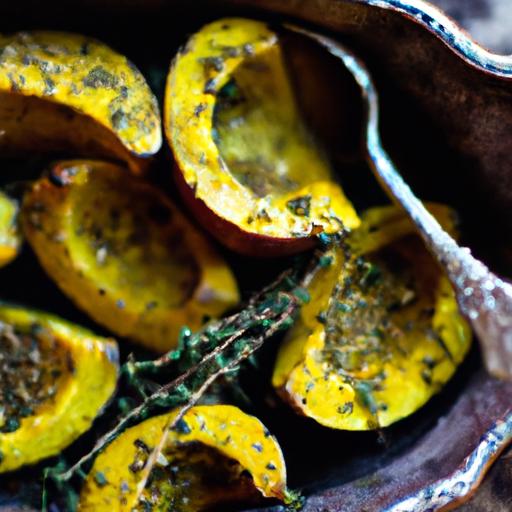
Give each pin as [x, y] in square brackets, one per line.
[184, 48]
[210, 86]
[300, 206]
[263, 215]
[426, 376]
[151, 305]
[49, 86]
[85, 48]
[29, 60]
[119, 119]
[258, 447]
[322, 317]
[137, 465]
[248, 49]
[346, 408]
[199, 109]
[139, 443]
[59, 179]
[48, 67]
[231, 51]
[15, 87]
[100, 77]
[132, 66]
[49, 51]
[429, 362]
[70, 364]
[210, 64]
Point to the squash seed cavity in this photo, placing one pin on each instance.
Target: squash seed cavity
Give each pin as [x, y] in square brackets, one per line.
[31, 370]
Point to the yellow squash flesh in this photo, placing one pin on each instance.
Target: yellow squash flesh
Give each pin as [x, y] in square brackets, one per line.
[233, 124]
[381, 334]
[185, 480]
[86, 381]
[70, 93]
[124, 253]
[10, 237]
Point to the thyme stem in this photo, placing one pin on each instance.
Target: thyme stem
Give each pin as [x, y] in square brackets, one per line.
[220, 348]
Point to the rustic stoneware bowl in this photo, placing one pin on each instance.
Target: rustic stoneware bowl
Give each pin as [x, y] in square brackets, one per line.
[447, 123]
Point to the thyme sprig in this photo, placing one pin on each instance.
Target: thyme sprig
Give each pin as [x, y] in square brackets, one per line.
[202, 357]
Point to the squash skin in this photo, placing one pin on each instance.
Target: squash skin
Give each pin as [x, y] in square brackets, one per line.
[67, 92]
[226, 207]
[10, 236]
[136, 304]
[80, 397]
[316, 389]
[224, 428]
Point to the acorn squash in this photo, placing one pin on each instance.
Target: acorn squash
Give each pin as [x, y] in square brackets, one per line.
[55, 378]
[215, 456]
[245, 161]
[382, 332]
[73, 94]
[121, 250]
[10, 236]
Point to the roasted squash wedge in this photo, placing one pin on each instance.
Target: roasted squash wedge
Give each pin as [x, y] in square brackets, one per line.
[124, 253]
[10, 236]
[381, 334]
[70, 93]
[55, 378]
[217, 455]
[246, 163]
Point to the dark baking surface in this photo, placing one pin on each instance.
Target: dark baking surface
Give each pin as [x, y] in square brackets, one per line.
[313, 465]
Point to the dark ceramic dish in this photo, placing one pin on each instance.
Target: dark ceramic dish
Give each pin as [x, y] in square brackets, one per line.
[446, 121]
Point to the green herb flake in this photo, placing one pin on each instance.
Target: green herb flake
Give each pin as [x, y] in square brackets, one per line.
[100, 479]
[346, 408]
[182, 427]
